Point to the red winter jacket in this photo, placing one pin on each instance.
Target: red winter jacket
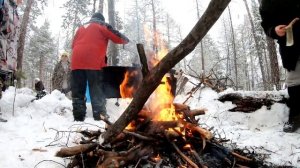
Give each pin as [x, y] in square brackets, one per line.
[90, 44]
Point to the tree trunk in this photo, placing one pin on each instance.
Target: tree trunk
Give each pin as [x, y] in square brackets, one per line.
[228, 69]
[22, 36]
[94, 6]
[155, 41]
[101, 4]
[137, 21]
[41, 68]
[201, 46]
[267, 66]
[152, 80]
[234, 51]
[275, 74]
[168, 31]
[75, 23]
[259, 53]
[113, 49]
[274, 62]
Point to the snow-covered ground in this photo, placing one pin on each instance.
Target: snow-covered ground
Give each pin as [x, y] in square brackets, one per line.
[30, 138]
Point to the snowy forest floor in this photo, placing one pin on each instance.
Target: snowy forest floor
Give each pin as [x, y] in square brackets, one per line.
[30, 138]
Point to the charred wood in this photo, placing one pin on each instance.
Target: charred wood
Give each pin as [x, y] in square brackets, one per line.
[143, 59]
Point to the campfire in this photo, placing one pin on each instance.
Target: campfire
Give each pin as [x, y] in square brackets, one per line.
[158, 141]
[164, 134]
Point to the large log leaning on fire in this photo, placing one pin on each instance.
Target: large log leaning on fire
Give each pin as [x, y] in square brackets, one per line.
[248, 104]
[152, 80]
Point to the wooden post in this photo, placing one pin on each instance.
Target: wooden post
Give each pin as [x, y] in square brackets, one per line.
[143, 59]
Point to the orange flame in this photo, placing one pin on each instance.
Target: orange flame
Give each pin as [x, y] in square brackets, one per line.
[161, 101]
[127, 89]
[187, 146]
[157, 158]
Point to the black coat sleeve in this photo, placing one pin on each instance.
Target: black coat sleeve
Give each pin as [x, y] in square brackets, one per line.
[268, 19]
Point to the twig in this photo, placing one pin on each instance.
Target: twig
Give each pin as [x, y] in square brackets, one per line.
[15, 84]
[196, 155]
[240, 156]
[82, 160]
[139, 136]
[184, 156]
[49, 161]
[194, 90]
[57, 137]
[136, 165]
[180, 153]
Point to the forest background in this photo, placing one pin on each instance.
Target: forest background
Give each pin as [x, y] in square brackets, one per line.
[235, 49]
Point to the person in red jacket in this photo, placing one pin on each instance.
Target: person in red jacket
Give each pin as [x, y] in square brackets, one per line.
[88, 58]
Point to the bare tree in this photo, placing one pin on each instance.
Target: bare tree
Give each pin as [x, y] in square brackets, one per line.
[101, 6]
[94, 6]
[155, 40]
[275, 74]
[152, 80]
[113, 49]
[22, 36]
[274, 63]
[201, 46]
[256, 41]
[234, 50]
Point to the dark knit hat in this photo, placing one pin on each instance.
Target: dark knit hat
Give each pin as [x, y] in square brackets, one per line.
[98, 16]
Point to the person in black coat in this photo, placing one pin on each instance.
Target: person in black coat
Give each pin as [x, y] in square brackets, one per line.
[276, 16]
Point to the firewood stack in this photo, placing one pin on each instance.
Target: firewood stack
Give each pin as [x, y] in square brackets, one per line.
[149, 143]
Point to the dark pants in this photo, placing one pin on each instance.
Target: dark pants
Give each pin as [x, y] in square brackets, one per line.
[79, 81]
[294, 103]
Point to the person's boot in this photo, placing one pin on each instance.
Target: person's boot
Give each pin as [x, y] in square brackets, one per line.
[79, 109]
[100, 116]
[289, 127]
[292, 125]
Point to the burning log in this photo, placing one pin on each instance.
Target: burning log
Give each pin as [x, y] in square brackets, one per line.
[188, 113]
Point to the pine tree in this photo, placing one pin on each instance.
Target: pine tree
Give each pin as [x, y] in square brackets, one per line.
[40, 55]
[77, 13]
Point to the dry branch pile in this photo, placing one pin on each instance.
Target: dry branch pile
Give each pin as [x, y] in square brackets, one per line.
[149, 143]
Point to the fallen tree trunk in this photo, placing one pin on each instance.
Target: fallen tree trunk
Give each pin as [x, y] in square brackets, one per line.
[152, 80]
[249, 104]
